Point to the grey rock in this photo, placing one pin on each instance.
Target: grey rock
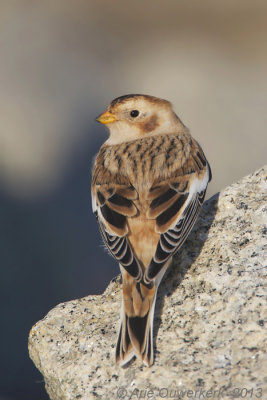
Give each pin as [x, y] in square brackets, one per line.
[209, 324]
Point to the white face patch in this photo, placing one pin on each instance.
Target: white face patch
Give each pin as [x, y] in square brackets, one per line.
[124, 130]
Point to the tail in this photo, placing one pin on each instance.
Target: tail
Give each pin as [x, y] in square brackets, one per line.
[136, 329]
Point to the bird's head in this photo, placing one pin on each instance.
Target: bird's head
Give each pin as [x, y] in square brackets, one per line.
[133, 116]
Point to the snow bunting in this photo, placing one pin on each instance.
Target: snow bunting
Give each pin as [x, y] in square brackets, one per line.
[149, 182]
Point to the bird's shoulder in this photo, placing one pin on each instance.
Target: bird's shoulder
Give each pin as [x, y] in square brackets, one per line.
[107, 168]
[149, 158]
[185, 164]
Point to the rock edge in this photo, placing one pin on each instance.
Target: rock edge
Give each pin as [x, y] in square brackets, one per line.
[209, 320]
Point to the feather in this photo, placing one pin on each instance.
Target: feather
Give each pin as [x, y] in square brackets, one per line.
[148, 186]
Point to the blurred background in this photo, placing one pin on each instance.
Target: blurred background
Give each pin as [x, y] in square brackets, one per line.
[61, 63]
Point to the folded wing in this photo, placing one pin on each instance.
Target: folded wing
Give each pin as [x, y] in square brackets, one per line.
[112, 204]
[175, 204]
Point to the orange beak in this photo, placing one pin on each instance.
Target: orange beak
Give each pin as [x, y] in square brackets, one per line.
[106, 118]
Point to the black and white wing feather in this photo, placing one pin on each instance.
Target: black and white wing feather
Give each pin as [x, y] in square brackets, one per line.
[112, 206]
[175, 206]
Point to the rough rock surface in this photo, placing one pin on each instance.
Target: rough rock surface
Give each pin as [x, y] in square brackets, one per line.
[209, 323]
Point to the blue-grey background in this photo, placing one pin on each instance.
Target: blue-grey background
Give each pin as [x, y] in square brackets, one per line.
[61, 63]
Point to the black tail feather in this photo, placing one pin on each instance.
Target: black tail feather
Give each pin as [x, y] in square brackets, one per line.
[136, 338]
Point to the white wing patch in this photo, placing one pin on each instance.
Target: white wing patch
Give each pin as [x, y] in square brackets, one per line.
[197, 186]
[171, 240]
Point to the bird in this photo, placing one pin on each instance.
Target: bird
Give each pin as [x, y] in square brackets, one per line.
[149, 181]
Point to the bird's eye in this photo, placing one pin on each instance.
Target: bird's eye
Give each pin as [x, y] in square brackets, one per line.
[134, 113]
